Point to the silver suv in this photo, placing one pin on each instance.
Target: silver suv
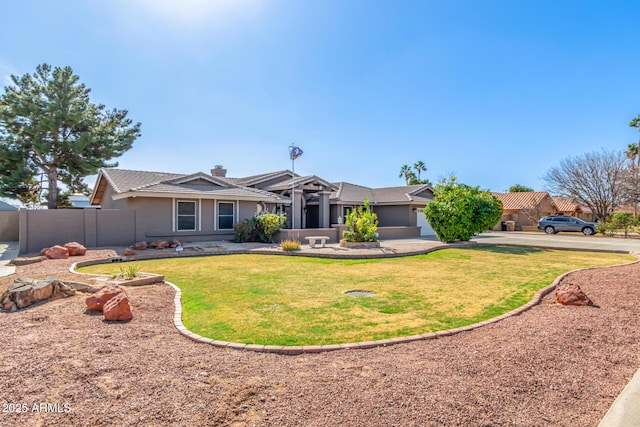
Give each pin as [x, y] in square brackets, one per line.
[555, 224]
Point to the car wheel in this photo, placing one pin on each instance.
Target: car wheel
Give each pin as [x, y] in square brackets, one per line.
[588, 231]
[549, 230]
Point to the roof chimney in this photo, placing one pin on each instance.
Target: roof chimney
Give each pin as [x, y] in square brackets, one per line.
[218, 170]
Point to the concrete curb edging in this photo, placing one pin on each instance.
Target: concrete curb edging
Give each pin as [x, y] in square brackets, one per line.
[293, 350]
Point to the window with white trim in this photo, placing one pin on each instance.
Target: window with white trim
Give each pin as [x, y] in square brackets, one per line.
[225, 215]
[186, 216]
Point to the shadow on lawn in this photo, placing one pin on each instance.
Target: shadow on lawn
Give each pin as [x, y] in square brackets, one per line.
[511, 250]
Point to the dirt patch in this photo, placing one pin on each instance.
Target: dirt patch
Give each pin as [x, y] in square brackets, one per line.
[553, 365]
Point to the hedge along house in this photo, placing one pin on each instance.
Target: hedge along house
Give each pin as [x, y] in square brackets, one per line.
[203, 206]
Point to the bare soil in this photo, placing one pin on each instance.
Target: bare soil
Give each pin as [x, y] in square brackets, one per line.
[551, 366]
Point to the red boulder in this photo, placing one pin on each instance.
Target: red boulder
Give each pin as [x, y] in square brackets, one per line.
[140, 246]
[160, 244]
[75, 249]
[57, 252]
[571, 294]
[118, 308]
[129, 252]
[97, 301]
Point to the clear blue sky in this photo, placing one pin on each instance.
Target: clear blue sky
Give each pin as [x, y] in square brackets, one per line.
[495, 92]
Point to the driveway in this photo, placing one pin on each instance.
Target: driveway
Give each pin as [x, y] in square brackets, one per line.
[559, 241]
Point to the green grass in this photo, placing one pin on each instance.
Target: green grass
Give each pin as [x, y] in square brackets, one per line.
[277, 300]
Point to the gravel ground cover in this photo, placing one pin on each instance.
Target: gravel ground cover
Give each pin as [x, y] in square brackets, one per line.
[551, 366]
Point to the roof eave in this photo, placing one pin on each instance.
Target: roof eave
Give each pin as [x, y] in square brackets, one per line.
[167, 195]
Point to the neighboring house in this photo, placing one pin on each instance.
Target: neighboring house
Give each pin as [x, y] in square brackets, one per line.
[206, 206]
[525, 208]
[6, 207]
[78, 200]
[9, 222]
[568, 206]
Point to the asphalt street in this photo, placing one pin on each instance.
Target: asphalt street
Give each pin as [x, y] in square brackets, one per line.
[560, 241]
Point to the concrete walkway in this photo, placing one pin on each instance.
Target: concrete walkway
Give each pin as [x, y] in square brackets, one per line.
[625, 411]
[8, 251]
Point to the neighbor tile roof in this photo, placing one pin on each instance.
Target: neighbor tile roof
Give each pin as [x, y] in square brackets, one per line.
[521, 200]
[567, 204]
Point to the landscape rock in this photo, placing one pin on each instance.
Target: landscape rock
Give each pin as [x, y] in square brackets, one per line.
[24, 292]
[96, 302]
[118, 308]
[160, 244]
[129, 252]
[27, 260]
[75, 249]
[57, 252]
[571, 294]
[140, 246]
[43, 251]
[175, 243]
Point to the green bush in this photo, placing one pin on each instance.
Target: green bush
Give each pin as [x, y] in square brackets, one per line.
[260, 228]
[362, 223]
[244, 231]
[622, 221]
[603, 229]
[459, 211]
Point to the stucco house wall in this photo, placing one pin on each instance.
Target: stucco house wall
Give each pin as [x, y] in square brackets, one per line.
[393, 216]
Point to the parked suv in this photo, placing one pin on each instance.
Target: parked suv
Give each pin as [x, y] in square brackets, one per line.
[554, 224]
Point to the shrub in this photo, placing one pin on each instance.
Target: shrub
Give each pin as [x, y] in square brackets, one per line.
[603, 229]
[129, 272]
[290, 245]
[621, 221]
[362, 224]
[244, 231]
[260, 228]
[459, 211]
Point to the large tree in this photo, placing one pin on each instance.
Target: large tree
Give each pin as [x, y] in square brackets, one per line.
[517, 188]
[594, 179]
[459, 211]
[49, 127]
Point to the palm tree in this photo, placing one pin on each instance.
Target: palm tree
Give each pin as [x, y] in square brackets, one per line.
[405, 171]
[419, 166]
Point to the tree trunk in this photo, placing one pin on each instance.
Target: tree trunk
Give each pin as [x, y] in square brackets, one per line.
[52, 197]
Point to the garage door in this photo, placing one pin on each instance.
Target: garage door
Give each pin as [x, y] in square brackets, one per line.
[425, 228]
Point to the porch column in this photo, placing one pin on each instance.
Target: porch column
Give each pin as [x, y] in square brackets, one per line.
[298, 209]
[323, 209]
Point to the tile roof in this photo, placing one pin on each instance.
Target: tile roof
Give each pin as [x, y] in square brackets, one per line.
[125, 181]
[521, 200]
[134, 181]
[352, 193]
[567, 204]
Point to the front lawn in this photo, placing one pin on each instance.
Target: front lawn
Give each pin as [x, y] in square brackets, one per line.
[280, 300]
